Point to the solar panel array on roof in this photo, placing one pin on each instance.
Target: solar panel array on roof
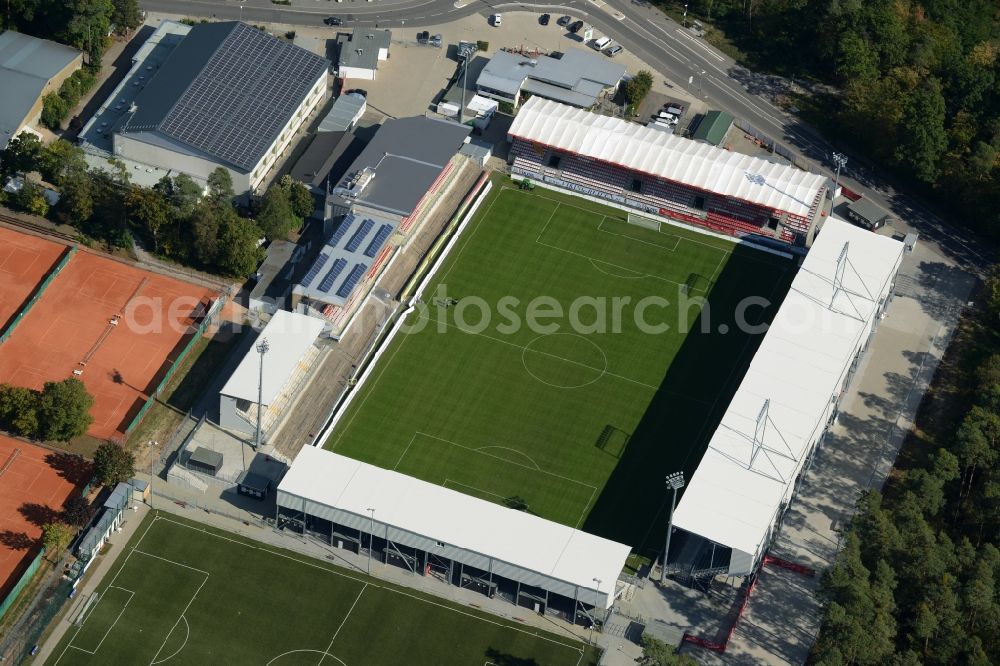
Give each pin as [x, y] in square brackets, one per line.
[238, 103]
[359, 235]
[341, 231]
[333, 274]
[352, 280]
[379, 240]
[316, 268]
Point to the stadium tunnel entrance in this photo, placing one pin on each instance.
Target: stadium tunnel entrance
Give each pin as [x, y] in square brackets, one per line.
[453, 572]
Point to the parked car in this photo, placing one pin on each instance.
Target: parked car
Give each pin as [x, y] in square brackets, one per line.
[333, 20]
[497, 20]
[544, 19]
[564, 20]
[437, 40]
[423, 37]
[675, 109]
[576, 27]
[601, 44]
[613, 51]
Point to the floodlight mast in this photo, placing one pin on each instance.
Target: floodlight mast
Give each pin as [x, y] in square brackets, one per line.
[262, 348]
[840, 160]
[675, 482]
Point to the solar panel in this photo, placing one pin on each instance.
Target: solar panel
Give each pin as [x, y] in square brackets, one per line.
[346, 224]
[352, 280]
[359, 235]
[316, 268]
[376, 244]
[333, 274]
[247, 91]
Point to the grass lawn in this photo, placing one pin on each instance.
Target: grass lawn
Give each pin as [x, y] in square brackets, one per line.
[578, 417]
[186, 594]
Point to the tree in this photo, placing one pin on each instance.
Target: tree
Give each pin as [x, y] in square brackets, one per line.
[220, 186]
[55, 537]
[54, 111]
[30, 198]
[275, 218]
[638, 87]
[113, 464]
[126, 14]
[239, 252]
[77, 511]
[76, 201]
[64, 410]
[21, 154]
[149, 209]
[657, 653]
[922, 132]
[61, 160]
[204, 224]
[301, 199]
[19, 410]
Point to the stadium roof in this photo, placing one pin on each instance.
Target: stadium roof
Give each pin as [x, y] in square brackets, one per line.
[360, 48]
[734, 496]
[226, 90]
[346, 257]
[451, 517]
[692, 163]
[27, 64]
[407, 155]
[578, 77]
[288, 335]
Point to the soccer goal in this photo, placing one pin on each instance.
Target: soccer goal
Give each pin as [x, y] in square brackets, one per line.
[643, 221]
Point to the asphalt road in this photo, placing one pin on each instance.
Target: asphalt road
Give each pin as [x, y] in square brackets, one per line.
[686, 60]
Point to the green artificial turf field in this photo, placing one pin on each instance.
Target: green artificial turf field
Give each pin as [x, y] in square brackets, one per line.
[185, 594]
[578, 422]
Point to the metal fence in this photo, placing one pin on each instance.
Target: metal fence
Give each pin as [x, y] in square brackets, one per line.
[26, 577]
[38, 294]
[22, 638]
[186, 502]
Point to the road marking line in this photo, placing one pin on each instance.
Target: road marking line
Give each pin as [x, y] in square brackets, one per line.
[704, 46]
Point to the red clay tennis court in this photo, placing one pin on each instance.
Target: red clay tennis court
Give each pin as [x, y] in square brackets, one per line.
[34, 485]
[24, 262]
[113, 326]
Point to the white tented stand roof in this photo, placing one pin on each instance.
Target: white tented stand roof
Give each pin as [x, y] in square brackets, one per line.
[456, 519]
[692, 163]
[733, 500]
[289, 336]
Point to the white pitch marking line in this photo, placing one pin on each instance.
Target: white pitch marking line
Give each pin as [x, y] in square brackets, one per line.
[190, 601]
[342, 623]
[106, 633]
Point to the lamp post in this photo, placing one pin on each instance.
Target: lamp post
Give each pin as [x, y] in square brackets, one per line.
[685, 15]
[371, 538]
[152, 447]
[675, 482]
[598, 581]
[241, 12]
[262, 348]
[840, 160]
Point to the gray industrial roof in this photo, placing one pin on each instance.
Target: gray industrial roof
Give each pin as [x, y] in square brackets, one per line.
[227, 90]
[576, 78]
[869, 210]
[274, 276]
[26, 65]
[328, 154]
[360, 48]
[455, 90]
[407, 155]
[343, 113]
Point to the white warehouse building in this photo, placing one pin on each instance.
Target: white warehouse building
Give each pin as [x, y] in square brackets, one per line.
[228, 95]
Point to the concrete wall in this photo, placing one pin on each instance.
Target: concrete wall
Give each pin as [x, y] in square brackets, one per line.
[229, 417]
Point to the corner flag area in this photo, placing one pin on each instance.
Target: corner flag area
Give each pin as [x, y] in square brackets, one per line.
[579, 419]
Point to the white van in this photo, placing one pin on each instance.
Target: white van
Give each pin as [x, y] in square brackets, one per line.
[602, 43]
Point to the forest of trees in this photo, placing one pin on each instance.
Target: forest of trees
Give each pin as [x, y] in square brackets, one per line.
[918, 581]
[917, 84]
[173, 219]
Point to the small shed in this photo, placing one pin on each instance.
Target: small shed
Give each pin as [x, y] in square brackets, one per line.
[205, 461]
[866, 214]
[713, 127]
[253, 485]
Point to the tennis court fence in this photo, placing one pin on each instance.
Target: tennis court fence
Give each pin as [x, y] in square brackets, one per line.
[38, 294]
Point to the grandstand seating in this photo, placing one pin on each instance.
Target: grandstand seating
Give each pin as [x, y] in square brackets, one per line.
[719, 213]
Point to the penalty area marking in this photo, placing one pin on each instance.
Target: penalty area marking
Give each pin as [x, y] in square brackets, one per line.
[106, 633]
[323, 655]
[181, 616]
[187, 635]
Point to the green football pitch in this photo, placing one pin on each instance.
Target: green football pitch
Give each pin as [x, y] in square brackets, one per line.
[185, 594]
[577, 416]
